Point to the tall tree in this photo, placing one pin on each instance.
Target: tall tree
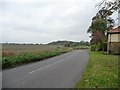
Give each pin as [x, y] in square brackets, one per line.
[102, 22]
[106, 9]
[113, 5]
[97, 28]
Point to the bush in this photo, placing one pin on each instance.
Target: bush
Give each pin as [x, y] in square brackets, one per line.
[104, 47]
[5, 63]
[93, 47]
[99, 47]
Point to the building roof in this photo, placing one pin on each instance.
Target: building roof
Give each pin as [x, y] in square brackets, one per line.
[115, 30]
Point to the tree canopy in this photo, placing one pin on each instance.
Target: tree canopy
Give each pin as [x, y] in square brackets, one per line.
[102, 21]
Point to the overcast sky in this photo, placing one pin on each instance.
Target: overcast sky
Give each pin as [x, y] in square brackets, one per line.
[43, 21]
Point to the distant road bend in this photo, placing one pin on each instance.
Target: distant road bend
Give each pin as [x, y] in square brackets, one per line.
[58, 72]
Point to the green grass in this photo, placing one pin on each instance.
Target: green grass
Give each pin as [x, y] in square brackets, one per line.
[101, 72]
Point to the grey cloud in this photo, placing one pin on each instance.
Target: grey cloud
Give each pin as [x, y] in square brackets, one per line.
[46, 21]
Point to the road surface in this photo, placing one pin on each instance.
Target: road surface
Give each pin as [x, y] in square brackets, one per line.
[58, 72]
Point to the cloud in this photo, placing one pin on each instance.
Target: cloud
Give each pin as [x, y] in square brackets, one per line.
[46, 1]
[43, 21]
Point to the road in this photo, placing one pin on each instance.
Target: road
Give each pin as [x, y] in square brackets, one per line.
[62, 71]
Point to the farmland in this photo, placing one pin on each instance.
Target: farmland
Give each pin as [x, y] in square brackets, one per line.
[17, 54]
[14, 49]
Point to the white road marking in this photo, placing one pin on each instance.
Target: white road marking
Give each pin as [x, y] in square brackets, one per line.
[44, 67]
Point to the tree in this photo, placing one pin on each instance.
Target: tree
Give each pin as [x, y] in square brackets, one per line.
[109, 5]
[97, 30]
[98, 24]
[106, 9]
[102, 22]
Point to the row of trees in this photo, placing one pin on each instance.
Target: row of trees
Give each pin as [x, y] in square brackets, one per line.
[70, 43]
[102, 22]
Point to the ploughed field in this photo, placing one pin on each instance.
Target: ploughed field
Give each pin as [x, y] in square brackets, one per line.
[17, 54]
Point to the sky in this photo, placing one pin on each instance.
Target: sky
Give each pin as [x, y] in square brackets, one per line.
[44, 21]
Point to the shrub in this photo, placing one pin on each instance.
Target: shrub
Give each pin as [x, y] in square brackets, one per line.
[99, 47]
[104, 47]
[93, 47]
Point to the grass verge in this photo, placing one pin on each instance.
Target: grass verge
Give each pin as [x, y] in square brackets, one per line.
[101, 72]
[16, 60]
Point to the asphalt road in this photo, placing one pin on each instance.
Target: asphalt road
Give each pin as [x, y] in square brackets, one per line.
[58, 72]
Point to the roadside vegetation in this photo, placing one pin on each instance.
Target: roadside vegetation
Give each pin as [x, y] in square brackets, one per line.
[14, 55]
[101, 71]
[17, 54]
[81, 47]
